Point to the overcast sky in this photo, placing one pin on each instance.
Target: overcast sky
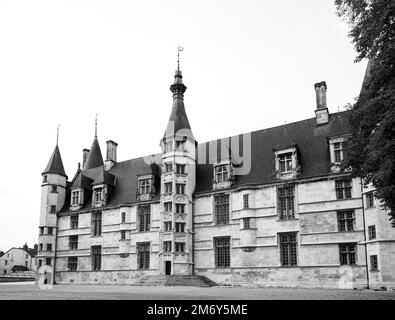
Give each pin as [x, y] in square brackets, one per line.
[248, 65]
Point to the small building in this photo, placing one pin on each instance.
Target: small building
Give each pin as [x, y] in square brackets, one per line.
[18, 259]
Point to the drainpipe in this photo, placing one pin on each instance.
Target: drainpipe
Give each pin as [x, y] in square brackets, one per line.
[364, 236]
[54, 255]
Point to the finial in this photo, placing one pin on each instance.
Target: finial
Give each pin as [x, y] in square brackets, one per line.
[178, 57]
[57, 134]
[96, 125]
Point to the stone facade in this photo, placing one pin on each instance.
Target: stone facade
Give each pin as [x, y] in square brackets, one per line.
[294, 218]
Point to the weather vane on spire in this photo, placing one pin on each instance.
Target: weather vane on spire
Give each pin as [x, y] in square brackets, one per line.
[96, 125]
[178, 56]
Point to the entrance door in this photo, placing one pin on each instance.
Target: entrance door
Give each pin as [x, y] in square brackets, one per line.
[168, 268]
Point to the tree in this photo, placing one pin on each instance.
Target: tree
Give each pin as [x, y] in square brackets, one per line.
[371, 148]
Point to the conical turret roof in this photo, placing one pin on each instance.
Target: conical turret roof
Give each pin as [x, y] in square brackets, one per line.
[55, 164]
[95, 158]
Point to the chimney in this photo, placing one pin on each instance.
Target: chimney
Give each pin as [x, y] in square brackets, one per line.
[25, 246]
[321, 112]
[111, 158]
[320, 93]
[85, 153]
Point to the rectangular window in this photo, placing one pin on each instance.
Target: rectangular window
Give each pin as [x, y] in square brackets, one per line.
[346, 220]
[222, 208]
[338, 151]
[168, 146]
[48, 261]
[96, 223]
[123, 216]
[143, 256]
[246, 223]
[73, 242]
[180, 168]
[285, 162]
[41, 230]
[369, 200]
[72, 263]
[145, 186]
[286, 203]
[180, 227]
[180, 145]
[144, 218]
[167, 246]
[26, 263]
[168, 167]
[40, 263]
[167, 225]
[41, 246]
[374, 266]
[96, 257]
[49, 246]
[348, 253]
[168, 206]
[180, 188]
[74, 221]
[180, 246]
[123, 234]
[45, 179]
[6, 262]
[75, 197]
[50, 230]
[288, 249]
[98, 194]
[54, 189]
[245, 201]
[168, 187]
[372, 232]
[180, 208]
[222, 252]
[221, 173]
[343, 189]
[53, 209]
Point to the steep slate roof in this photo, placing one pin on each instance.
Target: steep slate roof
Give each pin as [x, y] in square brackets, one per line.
[55, 164]
[95, 158]
[311, 141]
[31, 252]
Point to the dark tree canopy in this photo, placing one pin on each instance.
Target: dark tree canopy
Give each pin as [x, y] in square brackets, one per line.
[371, 148]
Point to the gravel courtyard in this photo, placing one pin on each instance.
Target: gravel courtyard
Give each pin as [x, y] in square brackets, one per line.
[11, 291]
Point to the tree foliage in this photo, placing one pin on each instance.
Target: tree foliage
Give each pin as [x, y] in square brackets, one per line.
[371, 148]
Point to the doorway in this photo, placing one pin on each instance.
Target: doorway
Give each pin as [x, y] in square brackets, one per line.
[168, 268]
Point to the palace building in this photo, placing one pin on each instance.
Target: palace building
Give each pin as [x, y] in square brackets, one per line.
[269, 208]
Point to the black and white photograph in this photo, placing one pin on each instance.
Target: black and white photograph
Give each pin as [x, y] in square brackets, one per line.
[210, 153]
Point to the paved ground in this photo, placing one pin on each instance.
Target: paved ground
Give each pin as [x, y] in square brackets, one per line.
[10, 291]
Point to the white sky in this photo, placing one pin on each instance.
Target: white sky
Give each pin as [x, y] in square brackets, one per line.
[248, 65]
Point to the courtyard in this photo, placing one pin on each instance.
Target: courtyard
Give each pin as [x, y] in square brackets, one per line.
[28, 290]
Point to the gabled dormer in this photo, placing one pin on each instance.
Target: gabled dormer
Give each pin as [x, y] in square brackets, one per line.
[336, 151]
[146, 187]
[223, 174]
[81, 191]
[102, 186]
[287, 162]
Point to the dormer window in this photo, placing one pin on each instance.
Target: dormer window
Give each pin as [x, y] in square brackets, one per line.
[75, 198]
[336, 150]
[286, 163]
[98, 194]
[145, 186]
[221, 173]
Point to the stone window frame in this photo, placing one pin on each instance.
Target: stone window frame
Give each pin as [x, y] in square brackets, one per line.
[288, 245]
[168, 187]
[54, 188]
[180, 227]
[343, 188]
[222, 250]
[145, 184]
[372, 232]
[369, 199]
[167, 226]
[348, 254]
[179, 247]
[225, 219]
[53, 208]
[345, 220]
[167, 246]
[123, 235]
[246, 223]
[180, 207]
[374, 262]
[143, 255]
[96, 257]
[246, 204]
[180, 168]
[168, 206]
[97, 223]
[72, 263]
[338, 149]
[75, 197]
[144, 218]
[295, 166]
[73, 242]
[74, 219]
[180, 188]
[123, 216]
[290, 210]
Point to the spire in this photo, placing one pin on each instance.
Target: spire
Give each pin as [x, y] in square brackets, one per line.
[178, 121]
[55, 164]
[95, 158]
